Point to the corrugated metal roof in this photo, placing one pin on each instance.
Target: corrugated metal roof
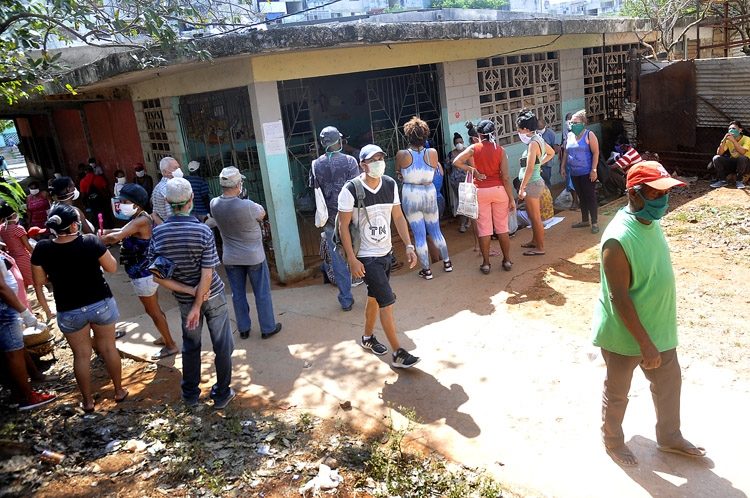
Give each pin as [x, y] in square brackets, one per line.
[723, 90]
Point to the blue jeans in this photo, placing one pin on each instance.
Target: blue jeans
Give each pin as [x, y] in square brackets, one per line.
[546, 172]
[217, 316]
[260, 280]
[340, 271]
[11, 333]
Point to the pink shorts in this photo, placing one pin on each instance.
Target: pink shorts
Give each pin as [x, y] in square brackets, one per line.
[493, 211]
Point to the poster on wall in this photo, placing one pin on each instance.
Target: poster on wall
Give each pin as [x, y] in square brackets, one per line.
[273, 138]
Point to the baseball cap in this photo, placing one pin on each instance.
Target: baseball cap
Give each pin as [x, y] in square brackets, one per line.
[139, 167]
[652, 174]
[193, 166]
[230, 177]
[135, 194]
[178, 191]
[368, 151]
[329, 136]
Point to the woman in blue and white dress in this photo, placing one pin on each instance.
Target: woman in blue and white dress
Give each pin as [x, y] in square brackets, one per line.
[417, 165]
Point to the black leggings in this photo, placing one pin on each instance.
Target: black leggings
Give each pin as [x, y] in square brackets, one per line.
[586, 190]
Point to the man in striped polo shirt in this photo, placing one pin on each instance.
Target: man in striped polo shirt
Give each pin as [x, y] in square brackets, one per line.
[190, 246]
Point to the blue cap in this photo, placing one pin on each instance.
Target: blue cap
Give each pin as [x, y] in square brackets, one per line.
[368, 151]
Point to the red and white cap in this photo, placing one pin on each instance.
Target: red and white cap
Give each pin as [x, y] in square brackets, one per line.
[652, 174]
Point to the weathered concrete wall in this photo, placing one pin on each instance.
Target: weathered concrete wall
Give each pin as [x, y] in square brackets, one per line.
[459, 97]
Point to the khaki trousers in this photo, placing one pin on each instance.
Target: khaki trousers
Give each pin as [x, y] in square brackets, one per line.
[666, 384]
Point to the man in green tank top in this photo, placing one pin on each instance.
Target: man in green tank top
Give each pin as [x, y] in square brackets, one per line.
[635, 318]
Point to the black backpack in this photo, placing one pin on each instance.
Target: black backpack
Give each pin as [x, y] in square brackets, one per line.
[354, 230]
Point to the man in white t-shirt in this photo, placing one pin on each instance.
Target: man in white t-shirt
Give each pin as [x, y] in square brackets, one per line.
[373, 260]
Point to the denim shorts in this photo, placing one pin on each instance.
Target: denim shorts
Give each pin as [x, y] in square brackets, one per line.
[144, 287]
[11, 333]
[534, 189]
[102, 312]
[377, 275]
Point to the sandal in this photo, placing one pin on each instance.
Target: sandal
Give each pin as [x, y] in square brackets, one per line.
[426, 274]
[507, 264]
[529, 245]
[580, 224]
[533, 253]
[164, 353]
[485, 269]
[120, 400]
[447, 266]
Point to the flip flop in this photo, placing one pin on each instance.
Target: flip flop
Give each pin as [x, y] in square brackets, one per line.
[159, 342]
[528, 245]
[119, 334]
[123, 398]
[164, 353]
[533, 253]
[485, 269]
[684, 451]
[87, 410]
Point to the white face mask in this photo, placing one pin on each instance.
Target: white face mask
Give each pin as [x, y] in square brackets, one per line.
[121, 180]
[33, 191]
[178, 173]
[76, 194]
[460, 146]
[524, 138]
[140, 174]
[376, 169]
[127, 209]
[541, 132]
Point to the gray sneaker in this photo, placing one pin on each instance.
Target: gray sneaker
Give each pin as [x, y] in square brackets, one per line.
[373, 345]
[403, 359]
[740, 185]
[220, 405]
[718, 183]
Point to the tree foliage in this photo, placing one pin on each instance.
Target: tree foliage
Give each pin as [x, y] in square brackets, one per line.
[666, 16]
[30, 28]
[738, 20]
[469, 4]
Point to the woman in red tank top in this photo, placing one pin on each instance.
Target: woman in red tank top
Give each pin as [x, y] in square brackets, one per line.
[494, 190]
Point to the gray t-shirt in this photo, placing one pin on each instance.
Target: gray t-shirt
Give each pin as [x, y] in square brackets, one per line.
[237, 220]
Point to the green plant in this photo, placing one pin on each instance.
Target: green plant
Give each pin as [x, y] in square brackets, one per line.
[12, 193]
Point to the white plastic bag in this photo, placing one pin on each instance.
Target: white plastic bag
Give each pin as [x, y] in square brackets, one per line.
[512, 221]
[321, 210]
[564, 201]
[468, 205]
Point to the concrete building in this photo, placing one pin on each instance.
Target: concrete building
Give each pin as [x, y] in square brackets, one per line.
[262, 101]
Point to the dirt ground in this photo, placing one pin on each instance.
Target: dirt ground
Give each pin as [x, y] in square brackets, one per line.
[709, 235]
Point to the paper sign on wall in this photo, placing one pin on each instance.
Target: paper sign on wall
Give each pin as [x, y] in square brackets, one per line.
[273, 138]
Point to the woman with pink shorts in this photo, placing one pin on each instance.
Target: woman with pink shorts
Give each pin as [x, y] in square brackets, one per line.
[494, 190]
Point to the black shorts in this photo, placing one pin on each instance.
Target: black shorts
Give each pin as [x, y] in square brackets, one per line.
[377, 275]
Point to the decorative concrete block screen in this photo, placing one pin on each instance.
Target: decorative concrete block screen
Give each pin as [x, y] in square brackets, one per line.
[157, 142]
[509, 83]
[604, 80]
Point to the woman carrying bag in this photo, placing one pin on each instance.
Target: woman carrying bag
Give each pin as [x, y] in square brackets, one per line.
[494, 190]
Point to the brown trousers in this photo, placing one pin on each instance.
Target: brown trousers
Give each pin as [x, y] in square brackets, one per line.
[666, 384]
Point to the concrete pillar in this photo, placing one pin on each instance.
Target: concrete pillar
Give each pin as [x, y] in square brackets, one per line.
[459, 98]
[277, 183]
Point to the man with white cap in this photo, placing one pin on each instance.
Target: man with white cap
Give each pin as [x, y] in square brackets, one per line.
[243, 256]
[635, 318]
[169, 168]
[331, 171]
[186, 246]
[378, 194]
[201, 196]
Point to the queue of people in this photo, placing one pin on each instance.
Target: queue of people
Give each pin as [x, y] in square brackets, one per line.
[174, 249]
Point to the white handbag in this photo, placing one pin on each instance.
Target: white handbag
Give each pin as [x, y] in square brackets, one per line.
[468, 205]
[321, 210]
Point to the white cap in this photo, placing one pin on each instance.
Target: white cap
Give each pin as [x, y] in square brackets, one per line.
[230, 177]
[368, 151]
[193, 166]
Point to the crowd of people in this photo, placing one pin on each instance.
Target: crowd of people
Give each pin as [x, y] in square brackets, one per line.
[165, 242]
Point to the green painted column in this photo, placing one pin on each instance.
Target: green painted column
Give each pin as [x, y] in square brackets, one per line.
[277, 183]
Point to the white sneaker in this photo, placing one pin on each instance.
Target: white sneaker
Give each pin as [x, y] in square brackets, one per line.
[718, 183]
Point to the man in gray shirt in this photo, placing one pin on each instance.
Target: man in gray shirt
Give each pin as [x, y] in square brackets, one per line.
[243, 256]
[331, 171]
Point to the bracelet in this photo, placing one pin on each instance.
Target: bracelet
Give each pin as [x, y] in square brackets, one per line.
[410, 246]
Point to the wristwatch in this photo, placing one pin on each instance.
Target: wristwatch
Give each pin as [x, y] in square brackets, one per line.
[410, 246]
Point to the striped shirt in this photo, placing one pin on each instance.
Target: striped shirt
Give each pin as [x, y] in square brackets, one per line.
[159, 200]
[631, 157]
[190, 245]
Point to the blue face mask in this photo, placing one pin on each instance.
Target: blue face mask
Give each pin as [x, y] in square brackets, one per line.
[653, 209]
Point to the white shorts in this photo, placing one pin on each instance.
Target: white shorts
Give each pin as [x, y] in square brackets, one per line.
[144, 287]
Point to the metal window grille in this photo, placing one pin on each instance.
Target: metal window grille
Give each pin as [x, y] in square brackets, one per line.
[604, 80]
[508, 84]
[157, 145]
